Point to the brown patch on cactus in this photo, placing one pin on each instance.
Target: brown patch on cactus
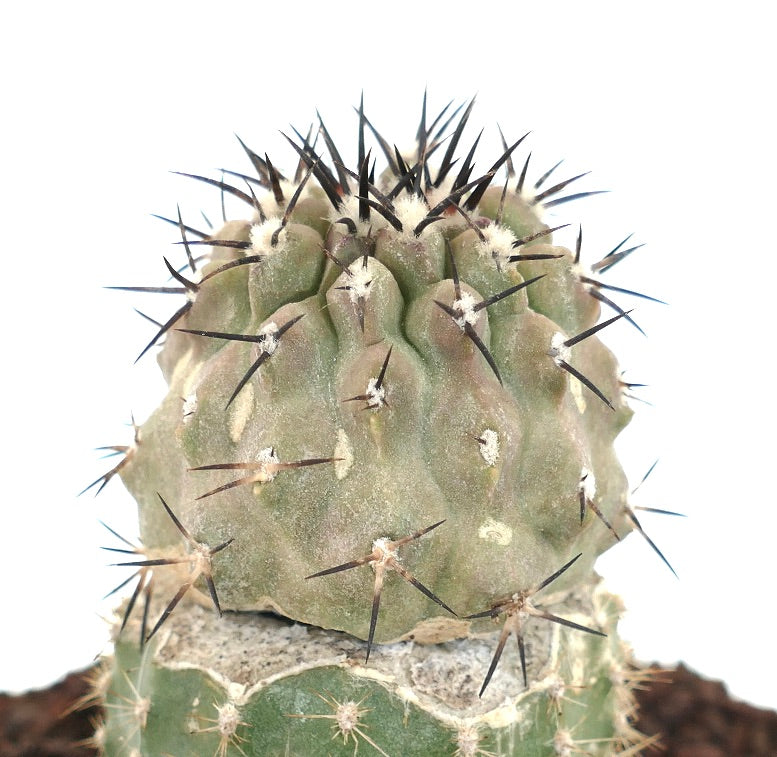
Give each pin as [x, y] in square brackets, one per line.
[518, 607]
[384, 557]
[346, 716]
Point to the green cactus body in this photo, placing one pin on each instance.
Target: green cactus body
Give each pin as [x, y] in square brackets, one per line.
[389, 416]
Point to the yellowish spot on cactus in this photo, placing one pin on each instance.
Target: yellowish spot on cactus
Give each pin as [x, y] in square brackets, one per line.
[344, 451]
[496, 532]
[240, 412]
[577, 394]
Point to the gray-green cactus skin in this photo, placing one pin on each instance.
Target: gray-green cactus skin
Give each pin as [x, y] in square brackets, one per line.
[390, 425]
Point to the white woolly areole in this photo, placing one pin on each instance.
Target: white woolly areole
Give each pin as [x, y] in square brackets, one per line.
[347, 716]
[269, 460]
[467, 741]
[489, 446]
[189, 407]
[270, 341]
[359, 281]
[201, 558]
[498, 242]
[588, 483]
[465, 307]
[558, 350]
[411, 210]
[577, 394]
[261, 235]
[228, 720]
[376, 395]
[386, 553]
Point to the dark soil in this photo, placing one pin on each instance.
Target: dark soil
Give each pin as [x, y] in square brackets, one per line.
[40, 723]
[695, 717]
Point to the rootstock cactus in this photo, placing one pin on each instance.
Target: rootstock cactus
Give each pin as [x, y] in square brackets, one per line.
[387, 447]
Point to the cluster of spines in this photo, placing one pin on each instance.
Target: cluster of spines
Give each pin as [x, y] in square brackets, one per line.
[415, 179]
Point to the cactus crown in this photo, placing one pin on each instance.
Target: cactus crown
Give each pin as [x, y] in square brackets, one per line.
[389, 405]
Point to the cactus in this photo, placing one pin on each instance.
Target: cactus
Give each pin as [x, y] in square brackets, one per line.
[387, 447]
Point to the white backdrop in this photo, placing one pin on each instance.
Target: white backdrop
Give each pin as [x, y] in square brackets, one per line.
[669, 107]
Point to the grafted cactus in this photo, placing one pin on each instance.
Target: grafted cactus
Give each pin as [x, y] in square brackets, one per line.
[386, 448]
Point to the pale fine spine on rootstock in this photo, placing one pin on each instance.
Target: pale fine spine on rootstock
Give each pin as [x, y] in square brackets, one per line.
[371, 501]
